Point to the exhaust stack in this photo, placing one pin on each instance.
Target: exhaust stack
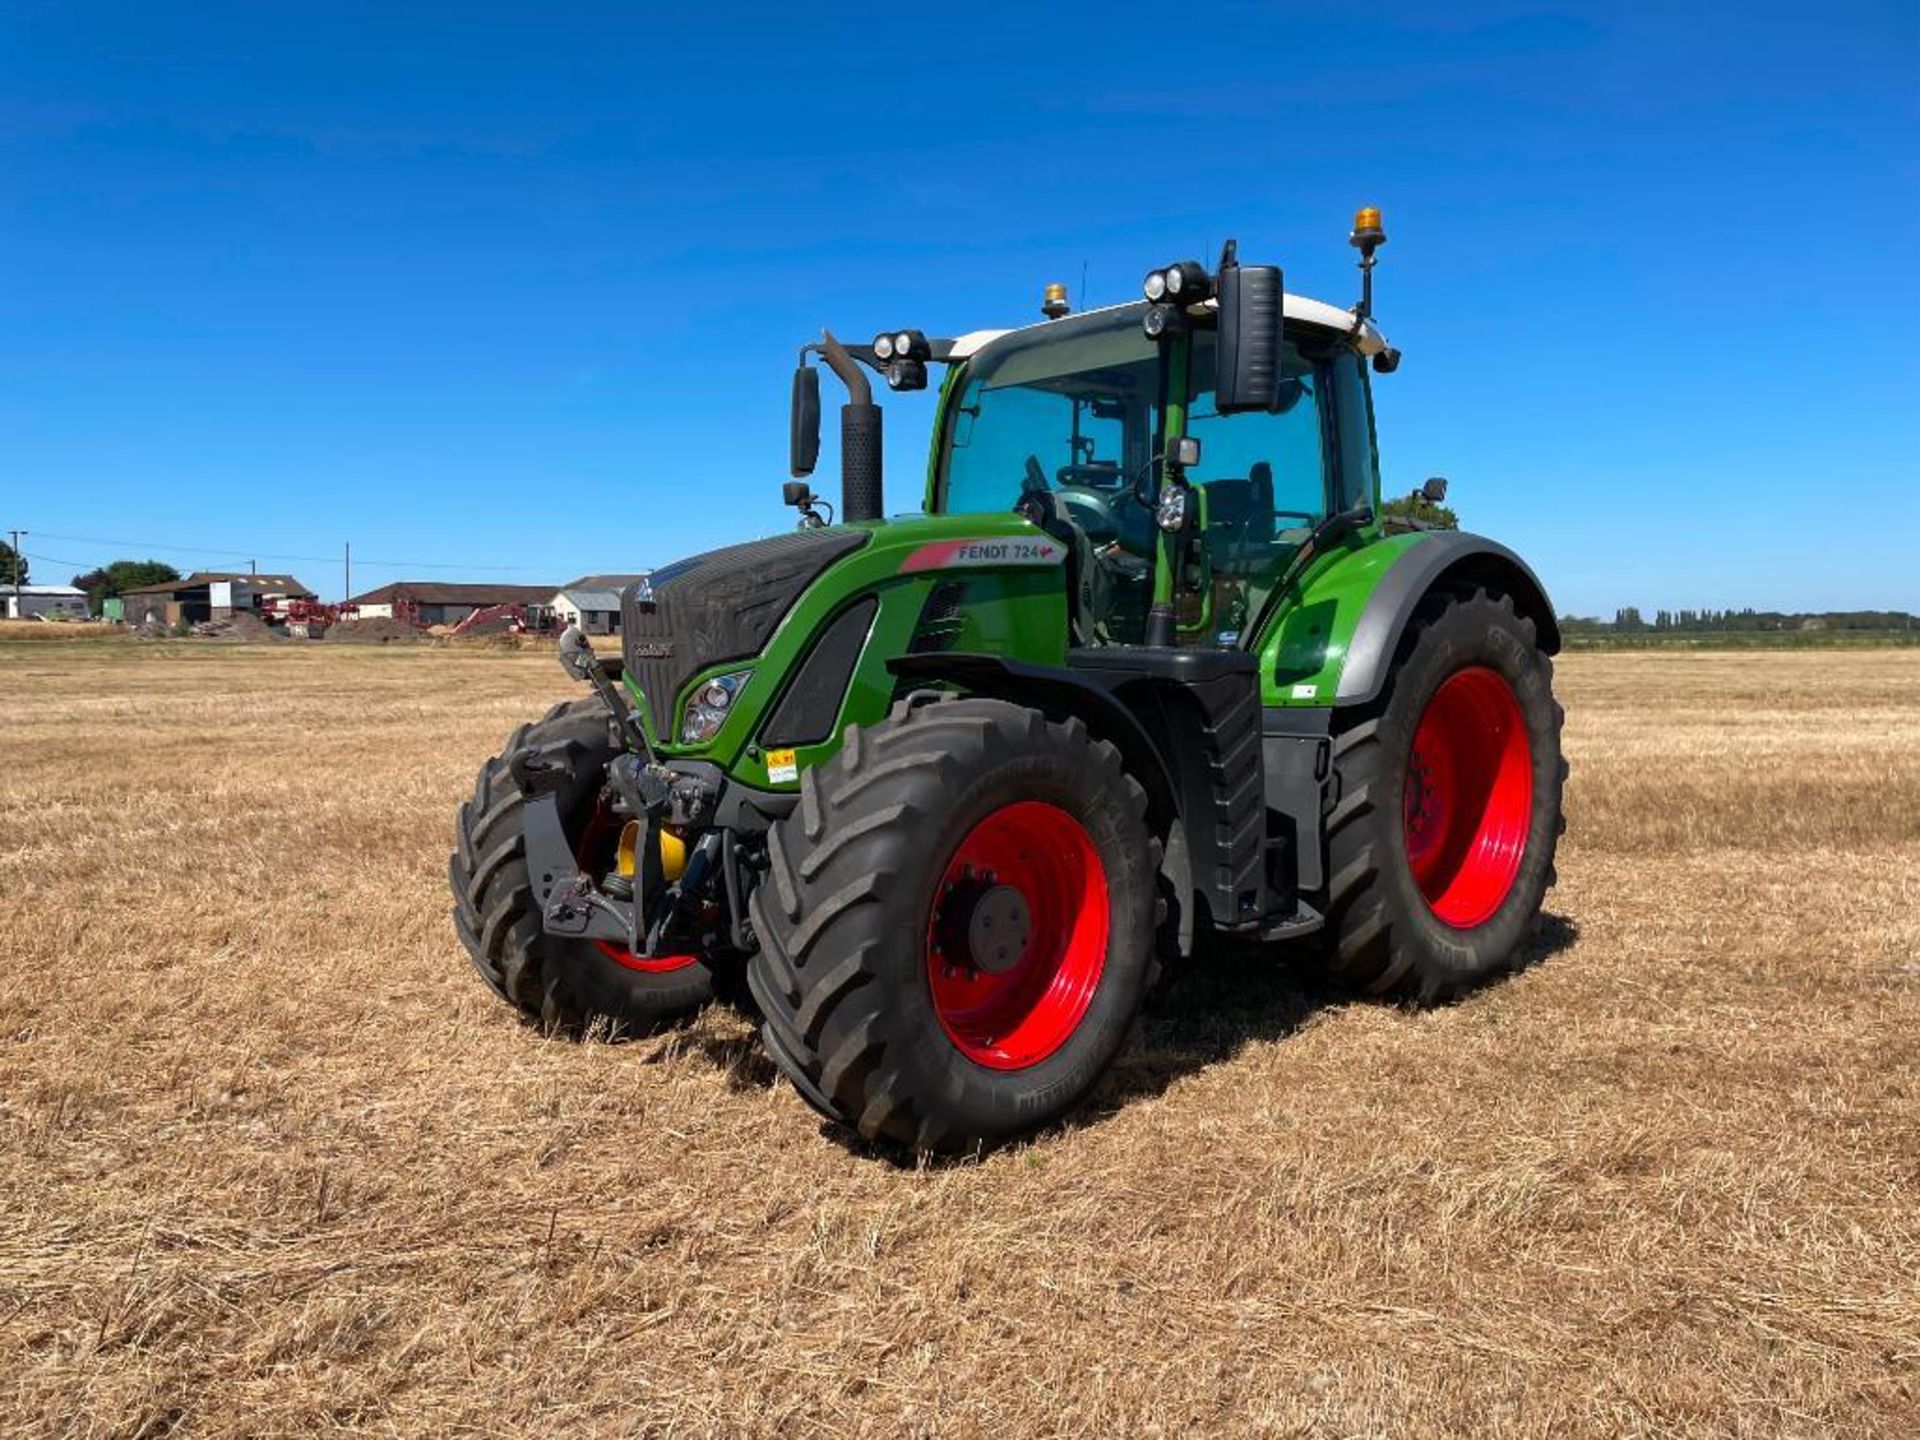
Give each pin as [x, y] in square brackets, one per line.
[862, 488]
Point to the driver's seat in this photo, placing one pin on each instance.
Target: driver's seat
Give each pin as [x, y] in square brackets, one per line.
[1240, 519]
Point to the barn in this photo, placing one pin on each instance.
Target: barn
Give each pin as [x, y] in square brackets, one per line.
[53, 602]
[207, 595]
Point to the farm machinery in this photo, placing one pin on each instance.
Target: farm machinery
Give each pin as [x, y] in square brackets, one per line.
[518, 619]
[311, 618]
[945, 792]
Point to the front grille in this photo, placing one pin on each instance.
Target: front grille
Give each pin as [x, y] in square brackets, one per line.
[716, 607]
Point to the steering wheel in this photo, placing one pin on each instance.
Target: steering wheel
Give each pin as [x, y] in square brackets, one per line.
[1090, 511]
[1104, 475]
[1097, 512]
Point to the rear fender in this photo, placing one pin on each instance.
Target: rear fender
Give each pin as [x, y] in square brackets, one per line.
[1443, 558]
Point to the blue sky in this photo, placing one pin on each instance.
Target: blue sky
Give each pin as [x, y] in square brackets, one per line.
[478, 287]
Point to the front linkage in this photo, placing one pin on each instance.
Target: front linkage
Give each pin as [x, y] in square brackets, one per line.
[636, 906]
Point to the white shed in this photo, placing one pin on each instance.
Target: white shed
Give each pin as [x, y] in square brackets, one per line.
[61, 602]
[597, 612]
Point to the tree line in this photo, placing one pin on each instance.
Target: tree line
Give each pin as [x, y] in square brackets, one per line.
[115, 578]
[1628, 620]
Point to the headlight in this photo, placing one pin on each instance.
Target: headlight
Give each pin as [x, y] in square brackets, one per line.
[708, 707]
[1155, 285]
[883, 346]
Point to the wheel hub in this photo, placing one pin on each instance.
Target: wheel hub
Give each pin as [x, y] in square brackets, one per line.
[1017, 937]
[982, 925]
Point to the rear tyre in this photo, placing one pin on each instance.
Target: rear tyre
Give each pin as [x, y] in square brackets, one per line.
[563, 985]
[1441, 838]
[956, 929]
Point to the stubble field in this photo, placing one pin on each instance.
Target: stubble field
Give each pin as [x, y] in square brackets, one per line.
[272, 1161]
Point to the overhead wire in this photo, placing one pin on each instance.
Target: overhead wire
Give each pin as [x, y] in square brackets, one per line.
[252, 554]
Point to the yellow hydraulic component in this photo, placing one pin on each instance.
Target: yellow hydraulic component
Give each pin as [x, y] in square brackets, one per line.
[673, 852]
[673, 855]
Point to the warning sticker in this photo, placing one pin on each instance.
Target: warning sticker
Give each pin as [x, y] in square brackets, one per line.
[781, 767]
[1306, 692]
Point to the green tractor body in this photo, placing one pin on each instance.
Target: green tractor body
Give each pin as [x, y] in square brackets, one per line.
[946, 790]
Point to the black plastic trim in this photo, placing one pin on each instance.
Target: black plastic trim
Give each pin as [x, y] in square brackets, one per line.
[805, 714]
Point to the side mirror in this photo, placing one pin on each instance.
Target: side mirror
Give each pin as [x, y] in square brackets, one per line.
[1247, 373]
[1435, 489]
[805, 441]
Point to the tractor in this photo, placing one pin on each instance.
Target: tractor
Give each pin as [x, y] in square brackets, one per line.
[939, 796]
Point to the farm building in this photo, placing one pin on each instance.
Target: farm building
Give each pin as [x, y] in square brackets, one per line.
[592, 602]
[26, 602]
[428, 602]
[207, 595]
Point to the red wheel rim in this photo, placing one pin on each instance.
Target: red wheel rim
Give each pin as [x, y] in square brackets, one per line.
[1469, 796]
[597, 845]
[1009, 999]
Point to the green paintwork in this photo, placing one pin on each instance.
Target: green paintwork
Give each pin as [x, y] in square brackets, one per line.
[1304, 643]
[1018, 611]
[1174, 401]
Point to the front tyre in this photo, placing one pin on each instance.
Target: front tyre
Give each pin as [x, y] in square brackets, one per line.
[956, 928]
[1441, 839]
[562, 984]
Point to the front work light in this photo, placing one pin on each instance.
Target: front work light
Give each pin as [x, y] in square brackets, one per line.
[911, 345]
[883, 345]
[1155, 285]
[1163, 320]
[1188, 282]
[905, 374]
[708, 707]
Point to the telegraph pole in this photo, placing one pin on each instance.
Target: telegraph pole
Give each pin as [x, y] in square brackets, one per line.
[18, 613]
[346, 569]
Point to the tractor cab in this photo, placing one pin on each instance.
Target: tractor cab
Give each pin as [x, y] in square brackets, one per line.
[1185, 450]
[1069, 423]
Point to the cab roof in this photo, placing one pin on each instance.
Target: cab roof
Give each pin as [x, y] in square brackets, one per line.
[1367, 338]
